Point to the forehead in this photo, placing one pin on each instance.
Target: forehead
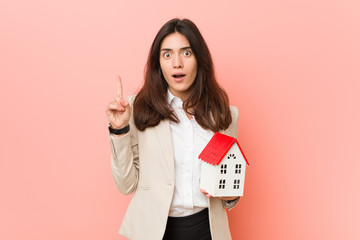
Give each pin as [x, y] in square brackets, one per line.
[174, 41]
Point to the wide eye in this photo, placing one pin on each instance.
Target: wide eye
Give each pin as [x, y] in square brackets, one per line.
[167, 55]
[187, 53]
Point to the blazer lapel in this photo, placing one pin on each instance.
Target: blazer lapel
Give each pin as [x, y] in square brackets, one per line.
[163, 133]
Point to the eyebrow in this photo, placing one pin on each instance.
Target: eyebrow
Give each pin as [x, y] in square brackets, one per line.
[169, 49]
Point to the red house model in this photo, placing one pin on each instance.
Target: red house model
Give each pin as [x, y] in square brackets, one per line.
[223, 167]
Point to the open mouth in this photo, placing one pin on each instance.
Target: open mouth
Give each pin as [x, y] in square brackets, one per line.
[178, 75]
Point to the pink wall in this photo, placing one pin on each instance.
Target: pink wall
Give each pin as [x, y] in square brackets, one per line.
[292, 68]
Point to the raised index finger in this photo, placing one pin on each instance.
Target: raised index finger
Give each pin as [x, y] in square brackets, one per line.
[119, 87]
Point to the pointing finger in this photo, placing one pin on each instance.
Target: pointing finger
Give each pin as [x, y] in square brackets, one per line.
[117, 99]
[119, 87]
[121, 102]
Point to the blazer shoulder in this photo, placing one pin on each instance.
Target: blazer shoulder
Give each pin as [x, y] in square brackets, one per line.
[234, 111]
[131, 99]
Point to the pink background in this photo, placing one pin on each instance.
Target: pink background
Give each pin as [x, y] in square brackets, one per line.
[291, 67]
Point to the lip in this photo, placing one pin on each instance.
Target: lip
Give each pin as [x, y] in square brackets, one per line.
[178, 79]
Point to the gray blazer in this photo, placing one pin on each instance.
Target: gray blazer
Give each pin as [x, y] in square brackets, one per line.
[143, 163]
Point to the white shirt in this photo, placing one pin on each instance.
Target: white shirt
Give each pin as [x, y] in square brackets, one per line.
[189, 139]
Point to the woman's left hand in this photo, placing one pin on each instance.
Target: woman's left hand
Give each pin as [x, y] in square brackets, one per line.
[223, 198]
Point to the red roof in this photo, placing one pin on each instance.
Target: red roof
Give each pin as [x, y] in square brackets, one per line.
[217, 147]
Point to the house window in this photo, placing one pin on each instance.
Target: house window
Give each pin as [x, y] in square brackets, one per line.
[222, 184]
[237, 168]
[236, 183]
[223, 168]
[231, 155]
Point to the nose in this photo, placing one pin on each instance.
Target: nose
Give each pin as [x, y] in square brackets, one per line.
[178, 62]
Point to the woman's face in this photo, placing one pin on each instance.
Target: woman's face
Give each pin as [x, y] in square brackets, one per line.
[178, 64]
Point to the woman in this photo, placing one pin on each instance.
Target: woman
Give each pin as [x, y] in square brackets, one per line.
[157, 135]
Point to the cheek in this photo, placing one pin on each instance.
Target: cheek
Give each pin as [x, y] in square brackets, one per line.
[194, 66]
[195, 69]
[164, 69]
[161, 67]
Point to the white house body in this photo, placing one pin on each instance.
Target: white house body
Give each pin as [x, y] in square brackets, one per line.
[227, 176]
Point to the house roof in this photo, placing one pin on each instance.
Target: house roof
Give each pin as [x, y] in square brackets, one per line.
[217, 147]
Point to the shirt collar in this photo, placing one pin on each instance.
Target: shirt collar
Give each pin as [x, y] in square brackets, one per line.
[173, 100]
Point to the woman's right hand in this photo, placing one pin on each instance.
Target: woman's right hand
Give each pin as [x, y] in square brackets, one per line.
[118, 111]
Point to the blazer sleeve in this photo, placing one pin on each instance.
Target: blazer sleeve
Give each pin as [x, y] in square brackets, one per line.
[233, 128]
[125, 158]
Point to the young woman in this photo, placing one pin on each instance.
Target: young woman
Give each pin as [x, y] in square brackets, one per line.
[157, 135]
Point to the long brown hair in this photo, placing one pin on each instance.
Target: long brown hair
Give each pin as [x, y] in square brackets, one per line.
[208, 101]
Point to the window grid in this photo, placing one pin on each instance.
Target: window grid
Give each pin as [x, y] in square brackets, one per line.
[222, 184]
[223, 168]
[237, 168]
[236, 183]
